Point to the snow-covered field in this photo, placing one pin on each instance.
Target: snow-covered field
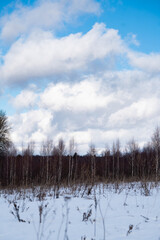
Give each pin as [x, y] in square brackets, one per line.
[110, 212]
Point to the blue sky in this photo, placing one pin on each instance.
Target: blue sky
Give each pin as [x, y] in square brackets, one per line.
[88, 70]
[134, 16]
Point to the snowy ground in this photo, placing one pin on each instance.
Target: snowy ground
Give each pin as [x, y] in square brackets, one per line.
[110, 212]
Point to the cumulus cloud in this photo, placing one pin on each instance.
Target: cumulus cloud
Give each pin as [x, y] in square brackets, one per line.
[34, 124]
[92, 110]
[43, 55]
[48, 14]
[87, 95]
[26, 99]
[138, 111]
[147, 62]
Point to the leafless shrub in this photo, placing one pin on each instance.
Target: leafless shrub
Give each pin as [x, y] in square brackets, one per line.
[16, 212]
[130, 229]
[145, 189]
[87, 215]
[42, 229]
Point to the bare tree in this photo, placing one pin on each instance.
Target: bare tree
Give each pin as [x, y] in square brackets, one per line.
[72, 150]
[133, 148]
[27, 161]
[11, 155]
[148, 153]
[47, 150]
[118, 157]
[156, 147]
[92, 153]
[113, 159]
[29, 151]
[12, 150]
[106, 154]
[42, 161]
[59, 151]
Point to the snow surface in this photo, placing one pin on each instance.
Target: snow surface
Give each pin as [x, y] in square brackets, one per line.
[110, 212]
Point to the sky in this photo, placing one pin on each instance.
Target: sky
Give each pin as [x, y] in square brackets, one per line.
[88, 70]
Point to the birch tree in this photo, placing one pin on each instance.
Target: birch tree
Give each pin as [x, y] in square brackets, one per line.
[118, 157]
[156, 147]
[106, 155]
[133, 148]
[92, 154]
[113, 159]
[72, 150]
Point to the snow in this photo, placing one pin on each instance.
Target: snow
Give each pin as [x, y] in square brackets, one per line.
[111, 212]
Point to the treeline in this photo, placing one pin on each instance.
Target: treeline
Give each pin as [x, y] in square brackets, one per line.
[55, 166]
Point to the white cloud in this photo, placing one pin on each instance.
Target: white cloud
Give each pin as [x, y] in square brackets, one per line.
[26, 99]
[132, 39]
[123, 105]
[87, 95]
[33, 125]
[147, 62]
[42, 56]
[140, 110]
[48, 14]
